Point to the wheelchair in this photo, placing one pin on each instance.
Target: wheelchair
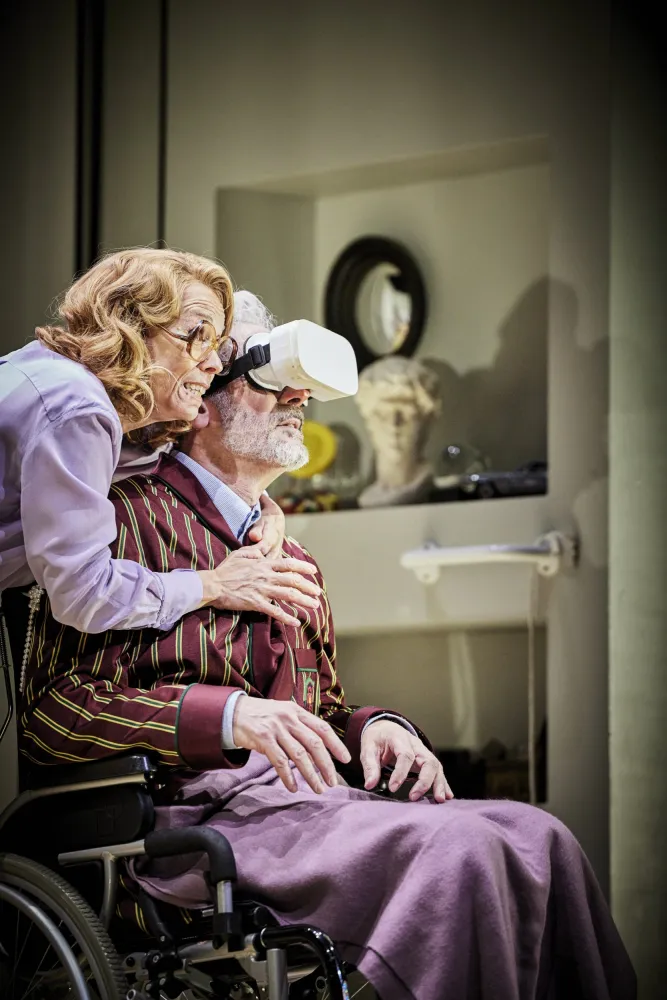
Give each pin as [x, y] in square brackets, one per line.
[89, 937]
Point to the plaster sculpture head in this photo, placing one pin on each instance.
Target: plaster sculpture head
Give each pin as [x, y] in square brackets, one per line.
[398, 398]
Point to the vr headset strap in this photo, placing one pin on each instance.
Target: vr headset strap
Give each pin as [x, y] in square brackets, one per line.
[257, 357]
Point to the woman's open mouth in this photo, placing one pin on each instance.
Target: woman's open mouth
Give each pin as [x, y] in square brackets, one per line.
[194, 389]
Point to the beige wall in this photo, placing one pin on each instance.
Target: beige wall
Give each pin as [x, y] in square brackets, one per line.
[130, 124]
[266, 242]
[462, 688]
[38, 163]
[271, 91]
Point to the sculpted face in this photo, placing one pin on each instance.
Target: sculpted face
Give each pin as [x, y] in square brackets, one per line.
[394, 421]
[398, 398]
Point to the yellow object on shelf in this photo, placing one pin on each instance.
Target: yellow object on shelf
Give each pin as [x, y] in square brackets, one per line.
[322, 446]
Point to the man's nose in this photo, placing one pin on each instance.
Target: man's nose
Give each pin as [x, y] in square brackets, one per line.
[294, 397]
[399, 419]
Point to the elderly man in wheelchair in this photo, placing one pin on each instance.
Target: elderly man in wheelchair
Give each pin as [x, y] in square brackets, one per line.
[201, 813]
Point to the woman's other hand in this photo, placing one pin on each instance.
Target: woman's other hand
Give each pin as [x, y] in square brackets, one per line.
[248, 581]
[269, 532]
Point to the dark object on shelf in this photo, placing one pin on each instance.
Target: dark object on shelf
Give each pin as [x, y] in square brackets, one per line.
[465, 771]
[531, 479]
[494, 750]
[506, 773]
[375, 297]
[507, 779]
[307, 503]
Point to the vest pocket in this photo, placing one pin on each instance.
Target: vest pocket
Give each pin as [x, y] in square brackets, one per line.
[307, 680]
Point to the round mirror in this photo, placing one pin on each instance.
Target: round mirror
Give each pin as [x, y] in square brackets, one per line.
[375, 298]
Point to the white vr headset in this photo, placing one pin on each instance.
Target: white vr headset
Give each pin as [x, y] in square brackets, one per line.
[299, 354]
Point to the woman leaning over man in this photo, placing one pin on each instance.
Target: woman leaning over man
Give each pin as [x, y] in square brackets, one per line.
[138, 347]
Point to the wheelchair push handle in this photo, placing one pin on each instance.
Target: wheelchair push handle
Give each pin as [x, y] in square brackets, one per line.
[191, 840]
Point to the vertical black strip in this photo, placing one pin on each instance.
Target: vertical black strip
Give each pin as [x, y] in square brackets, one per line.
[90, 53]
[163, 110]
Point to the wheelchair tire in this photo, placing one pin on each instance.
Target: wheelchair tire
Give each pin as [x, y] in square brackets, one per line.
[79, 924]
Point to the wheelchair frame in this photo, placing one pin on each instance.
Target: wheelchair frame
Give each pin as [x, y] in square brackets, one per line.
[235, 946]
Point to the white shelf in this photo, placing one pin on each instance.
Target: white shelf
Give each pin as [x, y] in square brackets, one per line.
[359, 552]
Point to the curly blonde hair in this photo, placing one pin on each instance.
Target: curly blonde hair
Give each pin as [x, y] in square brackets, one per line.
[108, 311]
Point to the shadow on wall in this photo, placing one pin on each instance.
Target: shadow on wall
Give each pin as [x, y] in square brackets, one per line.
[501, 410]
[504, 410]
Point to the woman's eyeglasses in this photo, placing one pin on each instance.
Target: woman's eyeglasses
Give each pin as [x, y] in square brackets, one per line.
[202, 339]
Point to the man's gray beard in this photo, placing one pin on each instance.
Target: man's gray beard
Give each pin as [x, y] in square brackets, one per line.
[247, 435]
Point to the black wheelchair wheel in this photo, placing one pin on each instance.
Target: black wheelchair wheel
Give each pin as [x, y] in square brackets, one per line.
[44, 922]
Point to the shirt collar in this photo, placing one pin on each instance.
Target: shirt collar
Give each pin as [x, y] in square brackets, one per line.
[239, 515]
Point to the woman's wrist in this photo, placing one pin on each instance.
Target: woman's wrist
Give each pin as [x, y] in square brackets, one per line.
[209, 586]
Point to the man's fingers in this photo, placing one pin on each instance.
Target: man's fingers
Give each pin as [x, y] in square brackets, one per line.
[427, 776]
[301, 758]
[441, 789]
[281, 763]
[315, 747]
[333, 744]
[404, 761]
[371, 765]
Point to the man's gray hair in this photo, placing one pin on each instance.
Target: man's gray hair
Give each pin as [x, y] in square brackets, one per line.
[249, 308]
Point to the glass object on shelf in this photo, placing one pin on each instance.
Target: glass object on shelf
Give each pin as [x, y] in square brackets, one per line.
[458, 462]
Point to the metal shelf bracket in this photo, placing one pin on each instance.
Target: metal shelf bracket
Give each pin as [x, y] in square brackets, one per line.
[550, 554]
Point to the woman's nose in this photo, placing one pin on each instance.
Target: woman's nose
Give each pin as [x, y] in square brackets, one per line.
[211, 363]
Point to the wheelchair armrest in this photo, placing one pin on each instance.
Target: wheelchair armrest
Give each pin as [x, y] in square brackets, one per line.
[107, 770]
[227, 925]
[191, 839]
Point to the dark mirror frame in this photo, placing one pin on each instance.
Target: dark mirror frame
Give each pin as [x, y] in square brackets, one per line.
[344, 282]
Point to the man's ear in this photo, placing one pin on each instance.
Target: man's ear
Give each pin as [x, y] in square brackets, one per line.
[203, 418]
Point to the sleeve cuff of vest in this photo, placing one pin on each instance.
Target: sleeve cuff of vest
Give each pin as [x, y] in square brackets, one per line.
[199, 726]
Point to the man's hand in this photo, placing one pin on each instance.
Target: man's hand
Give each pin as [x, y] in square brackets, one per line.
[269, 532]
[284, 732]
[385, 743]
[248, 581]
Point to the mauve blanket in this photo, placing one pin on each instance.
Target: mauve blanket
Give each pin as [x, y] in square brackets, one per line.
[492, 900]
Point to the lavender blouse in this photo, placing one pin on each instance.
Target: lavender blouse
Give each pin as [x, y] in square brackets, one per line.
[60, 447]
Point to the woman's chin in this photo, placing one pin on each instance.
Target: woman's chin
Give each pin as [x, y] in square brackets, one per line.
[187, 413]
